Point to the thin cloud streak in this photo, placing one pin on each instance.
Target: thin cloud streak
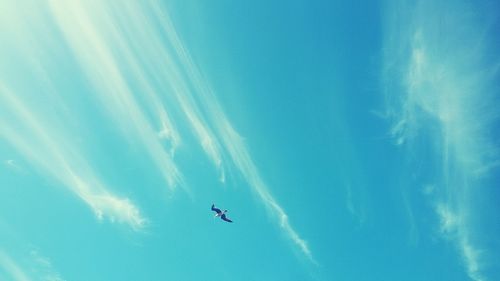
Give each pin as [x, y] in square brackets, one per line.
[182, 76]
[35, 267]
[51, 151]
[161, 64]
[96, 32]
[13, 165]
[43, 267]
[231, 141]
[455, 227]
[77, 22]
[13, 269]
[234, 145]
[90, 43]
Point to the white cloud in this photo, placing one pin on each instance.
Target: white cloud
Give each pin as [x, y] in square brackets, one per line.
[449, 221]
[92, 36]
[181, 76]
[428, 189]
[354, 199]
[105, 204]
[440, 91]
[33, 267]
[130, 79]
[455, 227]
[43, 268]
[398, 132]
[12, 269]
[13, 165]
[229, 139]
[52, 152]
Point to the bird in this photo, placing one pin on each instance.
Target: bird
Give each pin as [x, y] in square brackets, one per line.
[221, 214]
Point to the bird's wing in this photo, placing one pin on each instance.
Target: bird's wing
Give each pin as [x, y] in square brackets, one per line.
[225, 218]
[218, 211]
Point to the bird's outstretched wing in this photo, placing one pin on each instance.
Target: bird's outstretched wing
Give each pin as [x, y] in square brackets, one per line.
[218, 211]
[225, 218]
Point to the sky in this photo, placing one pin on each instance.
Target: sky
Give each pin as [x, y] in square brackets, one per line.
[348, 140]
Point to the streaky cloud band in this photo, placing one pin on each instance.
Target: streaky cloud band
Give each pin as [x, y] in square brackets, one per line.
[230, 140]
[441, 89]
[51, 152]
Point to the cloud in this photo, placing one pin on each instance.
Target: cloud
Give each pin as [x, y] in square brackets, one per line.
[20, 260]
[353, 202]
[93, 36]
[227, 137]
[238, 153]
[104, 204]
[440, 87]
[455, 227]
[448, 220]
[428, 189]
[53, 152]
[12, 269]
[145, 89]
[43, 268]
[13, 165]
[34, 267]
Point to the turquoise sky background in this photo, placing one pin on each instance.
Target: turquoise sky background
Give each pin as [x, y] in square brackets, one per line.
[349, 140]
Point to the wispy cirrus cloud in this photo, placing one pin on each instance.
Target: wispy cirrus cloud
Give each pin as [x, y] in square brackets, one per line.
[29, 267]
[13, 165]
[20, 260]
[93, 36]
[455, 226]
[43, 267]
[239, 154]
[147, 90]
[440, 90]
[52, 152]
[11, 269]
[227, 137]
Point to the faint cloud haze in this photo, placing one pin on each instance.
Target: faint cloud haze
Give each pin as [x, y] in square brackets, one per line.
[448, 99]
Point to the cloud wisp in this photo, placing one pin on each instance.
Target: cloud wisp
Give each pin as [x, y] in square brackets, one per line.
[43, 267]
[11, 269]
[143, 79]
[93, 37]
[229, 139]
[440, 88]
[52, 152]
[32, 267]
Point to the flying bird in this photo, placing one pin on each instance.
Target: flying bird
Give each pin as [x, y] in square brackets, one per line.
[221, 214]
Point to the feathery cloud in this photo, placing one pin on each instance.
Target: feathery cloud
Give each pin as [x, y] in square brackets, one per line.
[78, 22]
[229, 139]
[440, 88]
[12, 269]
[143, 88]
[52, 152]
[43, 268]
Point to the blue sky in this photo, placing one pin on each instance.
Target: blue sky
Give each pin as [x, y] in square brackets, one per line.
[349, 140]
